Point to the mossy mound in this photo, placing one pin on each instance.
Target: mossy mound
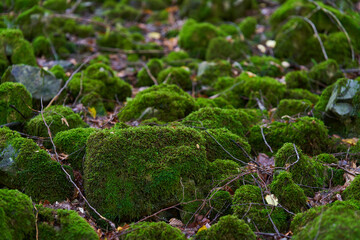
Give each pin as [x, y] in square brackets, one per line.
[248, 26]
[73, 143]
[100, 79]
[153, 231]
[310, 134]
[352, 191]
[292, 107]
[221, 48]
[218, 102]
[155, 66]
[31, 21]
[248, 204]
[14, 96]
[263, 66]
[133, 172]
[228, 227]
[177, 59]
[19, 5]
[176, 75]
[209, 72]
[326, 158]
[290, 195]
[297, 79]
[31, 169]
[14, 49]
[299, 93]
[325, 73]
[56, 5]
[166, 102]
[58, 118]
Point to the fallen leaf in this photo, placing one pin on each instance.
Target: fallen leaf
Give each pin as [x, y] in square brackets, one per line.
[92, 112]
[271, 200]
[63, 120]
[202, 228]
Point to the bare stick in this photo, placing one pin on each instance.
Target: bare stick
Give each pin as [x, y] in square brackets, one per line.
[262, 133]
[150, 74]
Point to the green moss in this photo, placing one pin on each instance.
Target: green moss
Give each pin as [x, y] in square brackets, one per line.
[16, 213]
[63, 224]
[166, 102]
[153, 231]
[16, 95]
[332, 221]
[58, 71]
[195, 37]
[216, 102]
[115, 39]
[133, 172]
[230, 29]
[31, 22]
[176, 75]
[290, 195]
[176, 59]
[155, 66]
[209, 72]
[326, 158]
[325, 73]
[310, 134]
[248, 26]
[352, 191]
[228, 227]
[263, 66]
[292, 107]
[221, 202]
[94, 100]
[337, 47]
[73, 143]
[297, 79]
[55, 116]
[221, 48]
[299, 93]
[42, 46]
[20, 5]
[248, 204]
[56, 5]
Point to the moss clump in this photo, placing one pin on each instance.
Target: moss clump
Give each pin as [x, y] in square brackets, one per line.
[73, 143]
[31, 169]
[263, 66]
[16, 215]
[221, 48]
[176, 75]
[292, 107]
[290, 195]
[145, 167]
[115, 39]
[176, 59]
[63, 224]
[238, 121]
[228, 227]
[325, 73]
[123, 11]
[20, 5]
[14, 95]
[221, 202]
[14, 49]
[209, 72]
[99, 78]
[248, 204]
[326, 158]
[59, 118]
[352, 191]
[248, 26]
[166, 102]
[218, 102]
[297, 79]
[56, 5]
[195, 37]
[332, 221]
[42, 46]
[299, 93]
[155, 66]
[58, 71]
[153, 231]
[31, 22]
[310, 134]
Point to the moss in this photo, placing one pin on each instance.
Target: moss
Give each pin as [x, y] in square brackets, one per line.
[292, 107]
[176, 75]
[332, 221]
[166, 102]
[56, 5]
[299, 93]
[230, 29]
[31, 22]
[73, 143]
[326, 158]
[221, 202]
[228, 227]
[14, 49]
[42, 46]
[115, 39]
[290, 195]
[248, 26]
[297, 79]
[216, 102]
[58, 71]
[14, 96]
[94, 100]
[16, 211]
[55, 116]
[306, 172]
[155, 66]
[153, 231]
[325, 73]
[263, 66]
[352, 191]
[310, 134]
[135, 171]
[63, 224]
[209, 72]
[195, 37]
[337, 47]
[248, 204]
[176, 59]
[20, 5]
[221, 48]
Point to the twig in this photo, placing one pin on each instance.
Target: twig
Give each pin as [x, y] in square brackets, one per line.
[150, 74]
[81, 89]
[17, 110]
[36, 222]
[262, 133]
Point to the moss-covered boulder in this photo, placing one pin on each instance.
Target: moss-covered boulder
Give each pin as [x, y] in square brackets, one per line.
[133, 172]
[176, 75]
[222, 48]
[167, 102]
[209, 72]
[14, 49]
[325, 74]
[297, 79]
[248, 26]
[228, 227]
[218, 102]
[58, 118]
[32, 21]
[153, 231]
[310, 134]
[19, 5]
[263, 66]
[31, 169]
[352, 191]
[56, 5]
[14, 96]
[155, 66]
[177, 59]
[293, 107]
[299, 93]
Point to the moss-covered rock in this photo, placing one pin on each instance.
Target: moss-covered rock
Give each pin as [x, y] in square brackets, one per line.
[58, 71]
[32, 22]
[352, 191]
[297, 79]
[221, 203]
[310, 134]
[248, 26]
[155, 66]
[299, 93]
[123, 11]
[59, 118]
[326, 158]
[116, 39]
[176, 59]
[42, 46]
[14, 96]
[209, 72]
[222, 48]
[218, 102]
[290, 195]
[31, 169]
[153, 231]
[325, 73]
[263, 66]
[292, 107]
[19, 5]
[228, 227]
[176, 75]
[73, 143]
[167, 102]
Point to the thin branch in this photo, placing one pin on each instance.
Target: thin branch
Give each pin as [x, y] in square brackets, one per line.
[262, 133]
[150, 74]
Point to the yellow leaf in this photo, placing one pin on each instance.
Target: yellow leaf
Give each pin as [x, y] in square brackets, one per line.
[92, 112]
[350, 141]
[271, 200]
[119, 229]
[154, 35]
[202, 228]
